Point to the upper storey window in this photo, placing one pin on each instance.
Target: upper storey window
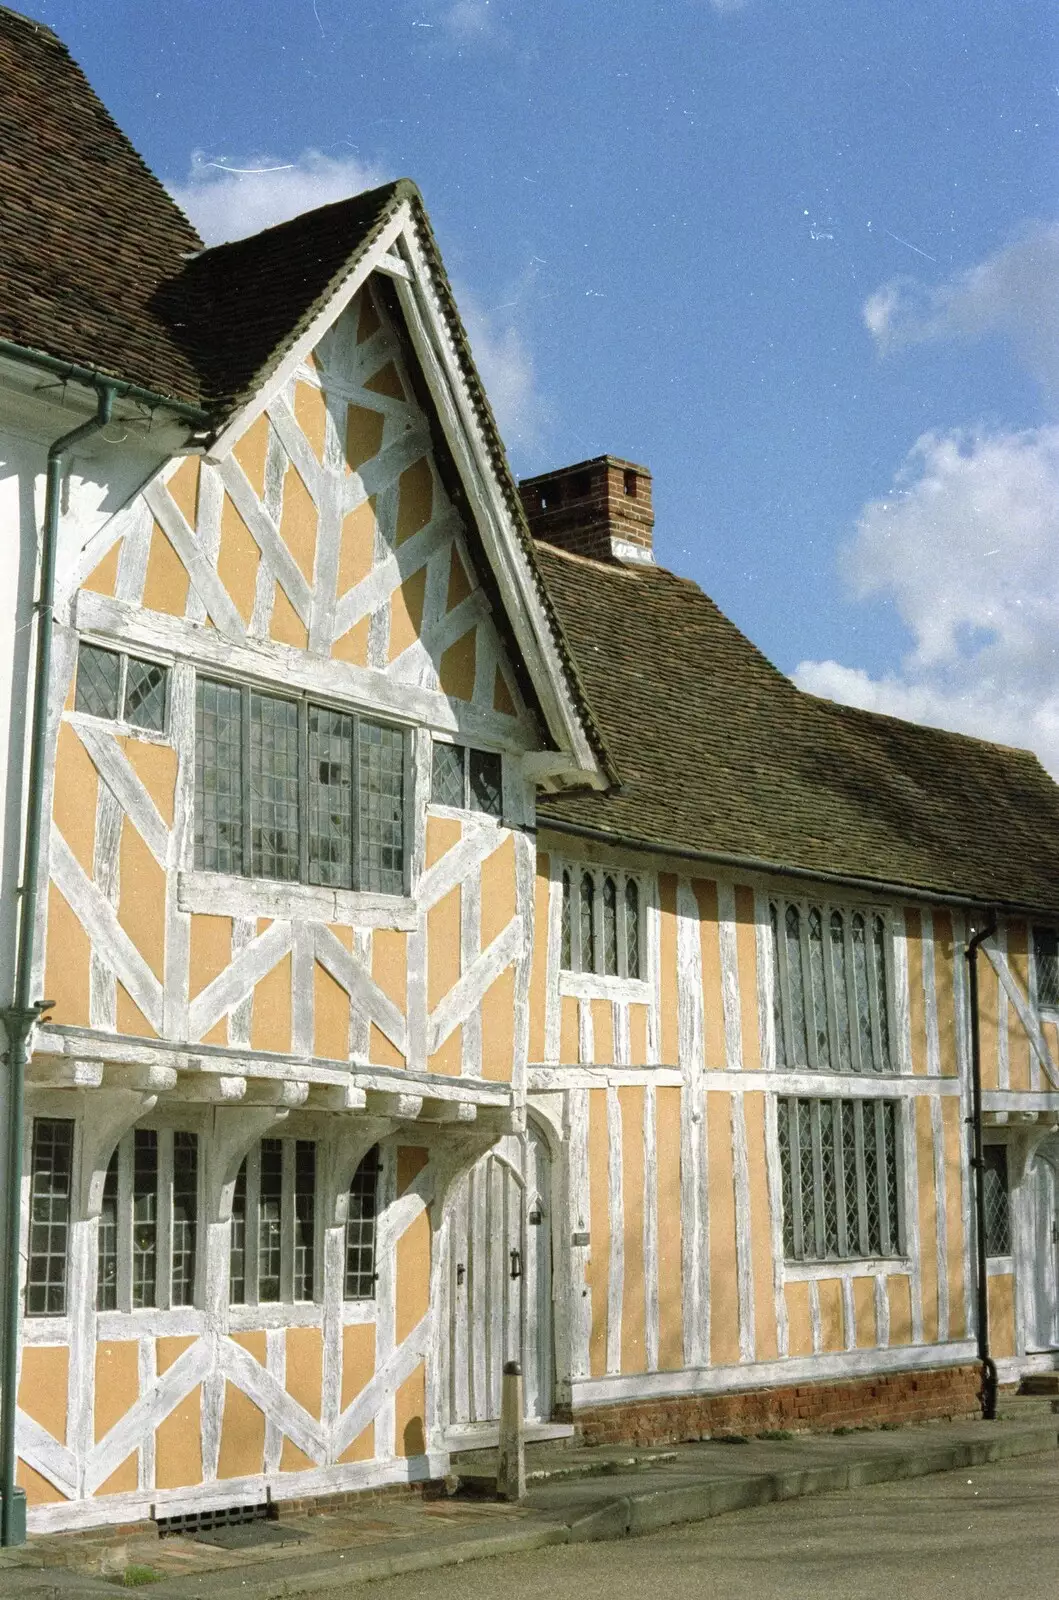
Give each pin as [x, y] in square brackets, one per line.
[832, 988]
[121, 688]
[601, 924]
[297, 792]
[1046, 960]
[468, 779]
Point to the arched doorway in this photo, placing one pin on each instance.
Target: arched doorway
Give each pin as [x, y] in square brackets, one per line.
[500, 1281]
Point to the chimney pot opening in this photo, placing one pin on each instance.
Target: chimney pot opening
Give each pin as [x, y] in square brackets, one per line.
[630, 484]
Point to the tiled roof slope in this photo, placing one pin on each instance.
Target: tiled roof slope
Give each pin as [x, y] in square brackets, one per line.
[88, 233]
[719, 753]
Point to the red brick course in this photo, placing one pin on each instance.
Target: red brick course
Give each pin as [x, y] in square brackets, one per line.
[926, 1396]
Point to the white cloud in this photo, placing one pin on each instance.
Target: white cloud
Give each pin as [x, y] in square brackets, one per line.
[467, 20]
[1014, 293]
[967, 549]
[505, 364]
[229, 199]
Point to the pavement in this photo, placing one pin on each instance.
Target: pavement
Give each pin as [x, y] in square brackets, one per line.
[574, 1496]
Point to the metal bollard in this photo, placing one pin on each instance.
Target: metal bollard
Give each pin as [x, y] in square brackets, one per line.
[511, 1454]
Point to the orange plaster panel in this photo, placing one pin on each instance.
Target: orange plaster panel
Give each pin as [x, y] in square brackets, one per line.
[298, 523]
[597, 1272]
[178, 1444]
[238, 560]
[291, 1459]
[389, 968]
[746, 955]
[183, 487]
[410, 1410]
[39, 1492]
[358, 1360]
[1018, 1038]
[170, 1349]
[832, 1327]
[117, 1386]
[330, 1016]
[1002, 1315]
[944, 960]
[899, 1294]
[285, 626]
[539, 972]
[413, 1275]
[211, 952]
[353, 646]
[765, 1332]
[156, 767]
[713, 1019]
[443, 946]
[638, 1035]
[251, 452]
[102, 579]
[667, 901]
[633, 1311]
[76, 796]
[406, 612]
[166, 584]
[724, 1302]
[125, 1480]
[242, 1451]
[270, 1017]
[130, 1018]
[141, 906]
[305, 1368]
[952, 1131]
[864, 1312]
[415, 500]
[667, 1178]
[602, 1031]
[387, 382]
[799, 1319]
[363, 435]
[498, 1028]
[988, 1026]
[928, 1251]
[310, 410]
[459, 583]
[362, 1448]
[503, 700]
[356, 554]
[442, 834]
[569, 1039]
[456, 672]
[498, 891]
[42, 1387]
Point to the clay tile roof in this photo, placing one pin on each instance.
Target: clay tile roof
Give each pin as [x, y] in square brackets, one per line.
[719, 753]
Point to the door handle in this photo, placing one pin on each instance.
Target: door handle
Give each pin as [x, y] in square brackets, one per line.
[516, 1263]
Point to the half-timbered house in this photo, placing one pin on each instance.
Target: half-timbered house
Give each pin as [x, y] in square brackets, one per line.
[431, 934]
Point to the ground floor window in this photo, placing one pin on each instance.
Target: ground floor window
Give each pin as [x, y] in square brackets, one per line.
[840, 1169]
[148, 1222]
[997, 1202]
[273, 1250]
[51, 1172]
[361, 1222]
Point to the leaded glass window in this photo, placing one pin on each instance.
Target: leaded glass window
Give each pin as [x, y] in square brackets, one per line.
[107, 1275]
[148, 1224]
[839, 1167]
[601, 926]
[448, 775]
[486, 784]
[185, 1217]
[467, 779]
[304, 1220]
[997, 1203]
[270, 1220]
[297, 792]
[1046, 962]
[361, 1221]
[832, 971]
[144, 1217]
[121, 688]
[273, 1246]
[51, 1170]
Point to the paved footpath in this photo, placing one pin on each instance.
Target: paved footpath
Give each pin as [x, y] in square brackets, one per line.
[627, 1492]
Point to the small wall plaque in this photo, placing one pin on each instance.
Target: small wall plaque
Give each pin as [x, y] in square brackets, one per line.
[581, 1236]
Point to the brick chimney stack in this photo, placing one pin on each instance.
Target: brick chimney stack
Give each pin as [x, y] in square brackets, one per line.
[600, 508]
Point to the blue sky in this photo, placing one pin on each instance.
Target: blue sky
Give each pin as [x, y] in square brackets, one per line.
[800, 259]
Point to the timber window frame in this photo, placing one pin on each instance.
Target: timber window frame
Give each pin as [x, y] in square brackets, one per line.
[1046, 969]
[997, 1196]
[601, 928]
[275, 1255]
[115, 686]
[842, 1178]
[50, 1215]
[360, 1266]
[289, 789]
[833, 998]
[148, 1251]
[466, 778]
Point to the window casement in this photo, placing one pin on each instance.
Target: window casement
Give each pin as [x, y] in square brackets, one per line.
[51, 1176]
[361, 1226]
[149, 1222]
[832, 970]
[273, 1248]
[840, 1170]
[1046, 963]
[121, 688]
[302, 793]
[996, 1194]
[466, 779]
[601, 929]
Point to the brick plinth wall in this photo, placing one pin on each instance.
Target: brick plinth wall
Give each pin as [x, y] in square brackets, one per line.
[931, 1396]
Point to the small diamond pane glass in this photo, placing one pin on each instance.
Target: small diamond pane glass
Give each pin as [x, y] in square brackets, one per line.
[997, 1209]
[218, 777]
[274, 787]
[330, 798]
[98, 681]
[610, 927]
[446, 775]
[486, 782]
[145, 688]
[632, 928]
[381, 801]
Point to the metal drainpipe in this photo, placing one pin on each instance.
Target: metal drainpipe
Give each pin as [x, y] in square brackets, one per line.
[21, 1015]
[989, 1376]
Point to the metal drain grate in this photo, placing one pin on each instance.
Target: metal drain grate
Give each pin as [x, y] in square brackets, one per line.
[192, 1522]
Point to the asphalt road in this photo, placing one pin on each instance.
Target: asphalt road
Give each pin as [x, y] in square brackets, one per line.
[988, 1531]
